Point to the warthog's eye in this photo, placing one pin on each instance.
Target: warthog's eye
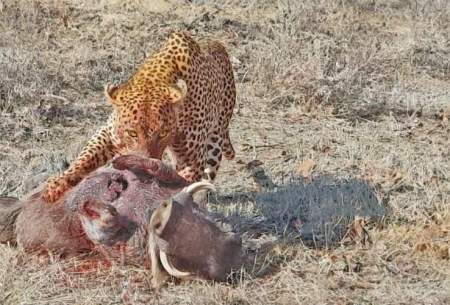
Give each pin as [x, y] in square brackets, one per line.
[131, 133]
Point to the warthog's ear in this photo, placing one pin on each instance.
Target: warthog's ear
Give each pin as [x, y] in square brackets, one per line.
[111, 94]
[178, 92]
[160, 217]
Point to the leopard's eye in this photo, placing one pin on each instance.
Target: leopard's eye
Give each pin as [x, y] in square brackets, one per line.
[164, 133]
[131, 133]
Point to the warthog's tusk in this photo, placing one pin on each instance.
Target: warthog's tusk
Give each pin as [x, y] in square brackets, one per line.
[169, 268]
[199, 186]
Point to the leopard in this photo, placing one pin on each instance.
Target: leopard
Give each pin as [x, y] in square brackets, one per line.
[179, 102]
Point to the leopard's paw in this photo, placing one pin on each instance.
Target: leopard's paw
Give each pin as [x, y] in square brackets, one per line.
[55, 189]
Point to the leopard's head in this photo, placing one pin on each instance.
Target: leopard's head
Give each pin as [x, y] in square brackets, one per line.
[145, 118]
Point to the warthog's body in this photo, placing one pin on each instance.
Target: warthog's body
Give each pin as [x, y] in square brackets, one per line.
[110, 211]
[107, 208]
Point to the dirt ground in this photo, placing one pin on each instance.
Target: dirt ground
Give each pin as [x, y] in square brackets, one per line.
[353, 90]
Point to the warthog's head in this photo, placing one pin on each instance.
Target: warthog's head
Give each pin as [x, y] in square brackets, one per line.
[113, 203]
[188, 243]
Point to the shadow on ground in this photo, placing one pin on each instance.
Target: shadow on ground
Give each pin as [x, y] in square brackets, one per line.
[317, 213]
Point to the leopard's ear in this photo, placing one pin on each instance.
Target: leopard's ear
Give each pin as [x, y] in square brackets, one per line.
[178, 92]
[111, 94]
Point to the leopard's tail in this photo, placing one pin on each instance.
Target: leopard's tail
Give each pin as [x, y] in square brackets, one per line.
[227, 147]
[10, 208]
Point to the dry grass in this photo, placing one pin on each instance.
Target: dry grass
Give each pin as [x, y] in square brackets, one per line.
[359, 87]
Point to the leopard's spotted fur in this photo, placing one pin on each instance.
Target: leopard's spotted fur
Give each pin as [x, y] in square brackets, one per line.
[152, 113]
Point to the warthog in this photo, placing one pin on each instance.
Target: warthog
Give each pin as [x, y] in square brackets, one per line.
[123, 211]
[107, 209]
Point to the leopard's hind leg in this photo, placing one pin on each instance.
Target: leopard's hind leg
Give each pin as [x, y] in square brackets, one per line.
[227, 147]
[214, 155]
[212, 160]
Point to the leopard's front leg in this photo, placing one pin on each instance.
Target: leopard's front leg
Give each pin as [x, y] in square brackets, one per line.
[191, 173]
[96, 153]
